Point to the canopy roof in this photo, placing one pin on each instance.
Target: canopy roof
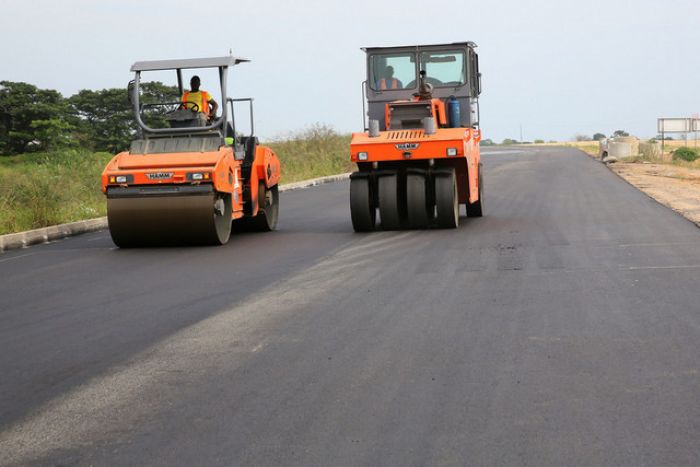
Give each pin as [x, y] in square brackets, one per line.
[212, 62]
[421, 46]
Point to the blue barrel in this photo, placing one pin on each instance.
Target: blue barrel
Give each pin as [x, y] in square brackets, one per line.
[454, 113]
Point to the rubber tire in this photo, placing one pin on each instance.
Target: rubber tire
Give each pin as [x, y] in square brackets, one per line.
[477, 209]
[419, 209]
[447, 200]
[362, 210]
[388, 189]
[268, 212]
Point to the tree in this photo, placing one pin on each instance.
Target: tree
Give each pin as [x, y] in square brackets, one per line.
[105, 117]
[620, 133]
[155, 92]
[598, 137]
[21, 104]
[53, 134]
[509, 141]
[582, 138]
[487, 142]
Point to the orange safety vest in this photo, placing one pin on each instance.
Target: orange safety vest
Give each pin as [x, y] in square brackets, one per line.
[394, 83]
[204, 108]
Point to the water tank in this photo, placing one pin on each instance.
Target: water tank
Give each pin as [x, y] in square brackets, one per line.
[453, 112]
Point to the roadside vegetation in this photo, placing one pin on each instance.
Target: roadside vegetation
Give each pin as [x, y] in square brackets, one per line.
[47, 188]
[53, 150]
[63, 185]
[315, 152]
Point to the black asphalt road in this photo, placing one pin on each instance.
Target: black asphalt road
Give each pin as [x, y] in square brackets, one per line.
[561, 329]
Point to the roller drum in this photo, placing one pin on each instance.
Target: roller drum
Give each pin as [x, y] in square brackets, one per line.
[166, 216]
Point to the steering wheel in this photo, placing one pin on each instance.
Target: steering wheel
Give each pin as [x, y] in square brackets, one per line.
[435, 82]
[189, 106]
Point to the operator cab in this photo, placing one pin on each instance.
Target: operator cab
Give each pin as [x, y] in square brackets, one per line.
[409, 83]
[186, 128]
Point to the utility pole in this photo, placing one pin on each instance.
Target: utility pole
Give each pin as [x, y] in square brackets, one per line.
[521, 132]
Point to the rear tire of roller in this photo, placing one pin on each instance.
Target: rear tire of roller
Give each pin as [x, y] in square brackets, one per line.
[419, 208]
[362, 210]
[388, 189]
[447, 200]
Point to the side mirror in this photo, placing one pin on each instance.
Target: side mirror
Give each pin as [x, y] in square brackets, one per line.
[130, 91]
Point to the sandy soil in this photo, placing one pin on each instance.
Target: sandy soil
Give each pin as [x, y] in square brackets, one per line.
[673, 186]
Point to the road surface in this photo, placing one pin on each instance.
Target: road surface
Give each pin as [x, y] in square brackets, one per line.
[561, 329]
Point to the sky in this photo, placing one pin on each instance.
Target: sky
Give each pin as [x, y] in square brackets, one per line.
[551, 69]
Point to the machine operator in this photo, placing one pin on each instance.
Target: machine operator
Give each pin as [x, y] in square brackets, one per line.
[202, 99]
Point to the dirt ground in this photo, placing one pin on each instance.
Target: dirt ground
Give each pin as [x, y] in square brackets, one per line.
[674, 186]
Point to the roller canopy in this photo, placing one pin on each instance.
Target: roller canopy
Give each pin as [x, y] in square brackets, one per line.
[213, 62]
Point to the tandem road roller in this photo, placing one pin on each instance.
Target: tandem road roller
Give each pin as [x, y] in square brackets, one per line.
[189, 180]
[418, 159]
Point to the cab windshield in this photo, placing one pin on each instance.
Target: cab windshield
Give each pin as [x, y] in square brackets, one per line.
[390, 72]
[444, 68]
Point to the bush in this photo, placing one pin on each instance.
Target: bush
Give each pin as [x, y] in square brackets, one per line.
[41, 189]
[314, 152]
[539, 141]
[685, 154]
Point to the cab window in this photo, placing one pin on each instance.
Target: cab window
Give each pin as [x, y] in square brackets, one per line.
[444, 68]
[391, 72]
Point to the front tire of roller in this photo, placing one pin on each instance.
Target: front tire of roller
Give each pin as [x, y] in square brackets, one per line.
[447, 200]
[477, 209]
[362, 210]
[420, 210]
[388, 189]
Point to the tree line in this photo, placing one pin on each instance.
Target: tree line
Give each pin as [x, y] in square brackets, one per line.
[34, 119]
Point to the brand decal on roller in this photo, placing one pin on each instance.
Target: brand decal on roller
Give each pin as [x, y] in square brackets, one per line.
[159, 175]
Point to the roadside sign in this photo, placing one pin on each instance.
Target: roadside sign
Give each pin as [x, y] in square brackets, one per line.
[674, 125]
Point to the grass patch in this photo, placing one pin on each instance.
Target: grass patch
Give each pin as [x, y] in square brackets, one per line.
[589, 147]
[42, 189]
[315, 152]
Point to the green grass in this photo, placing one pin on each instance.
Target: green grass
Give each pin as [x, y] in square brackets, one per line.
[312, 153]
[42, 189]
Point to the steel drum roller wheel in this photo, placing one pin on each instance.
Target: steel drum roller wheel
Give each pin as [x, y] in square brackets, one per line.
[268, 209]
[153, 221]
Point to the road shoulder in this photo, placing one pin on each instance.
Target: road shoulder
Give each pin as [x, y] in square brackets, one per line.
[675, 187]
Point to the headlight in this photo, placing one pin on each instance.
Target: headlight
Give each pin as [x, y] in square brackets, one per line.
[198, 176]
[121, 179]
[362, 156]
[451, 151]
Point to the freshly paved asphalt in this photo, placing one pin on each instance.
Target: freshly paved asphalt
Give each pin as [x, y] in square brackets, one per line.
[561, 329]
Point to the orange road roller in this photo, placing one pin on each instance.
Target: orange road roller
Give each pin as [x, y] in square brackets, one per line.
[192, 178]
[418, 158]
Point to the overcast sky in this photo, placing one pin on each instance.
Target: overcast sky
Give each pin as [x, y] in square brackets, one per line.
[558, 68]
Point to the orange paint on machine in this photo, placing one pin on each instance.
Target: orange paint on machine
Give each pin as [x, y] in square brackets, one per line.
[419, 157]
[194, 180]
